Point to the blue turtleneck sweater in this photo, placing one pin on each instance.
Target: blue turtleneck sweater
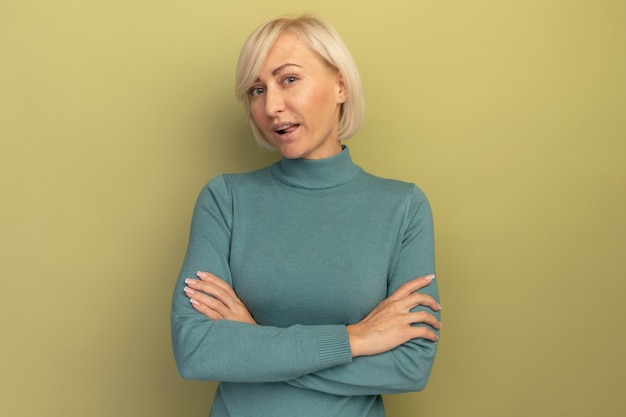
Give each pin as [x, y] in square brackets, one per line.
[309, 246]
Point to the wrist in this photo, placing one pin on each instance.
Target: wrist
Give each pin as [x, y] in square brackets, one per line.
[353, 339]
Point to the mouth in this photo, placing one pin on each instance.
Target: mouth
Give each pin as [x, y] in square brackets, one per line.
[283, 130]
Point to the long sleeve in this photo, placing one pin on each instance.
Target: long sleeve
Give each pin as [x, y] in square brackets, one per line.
[309, 247]
[229, 351]
[407, 367]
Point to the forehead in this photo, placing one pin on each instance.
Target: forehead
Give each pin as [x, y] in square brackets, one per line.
[289, 48]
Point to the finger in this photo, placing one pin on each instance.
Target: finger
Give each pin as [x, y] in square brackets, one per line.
[412, 286]
[423, 333]
[422, 317]
[215, 287]
[205, 310]
[222, 290]
[208, 305]
[420, 299]
[214, 280]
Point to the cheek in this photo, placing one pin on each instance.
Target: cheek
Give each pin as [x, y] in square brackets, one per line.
[325, 106]
[319, 96]
[255, 112]
[318, 103]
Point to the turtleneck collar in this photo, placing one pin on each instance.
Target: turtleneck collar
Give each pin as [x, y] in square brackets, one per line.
[318, 173]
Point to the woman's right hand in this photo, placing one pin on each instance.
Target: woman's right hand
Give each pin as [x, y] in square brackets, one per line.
[389, 325]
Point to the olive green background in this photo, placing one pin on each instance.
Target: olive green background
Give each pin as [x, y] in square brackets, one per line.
[511, 115]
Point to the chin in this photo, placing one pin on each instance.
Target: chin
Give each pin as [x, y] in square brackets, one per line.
[291, 152]
[292, 155]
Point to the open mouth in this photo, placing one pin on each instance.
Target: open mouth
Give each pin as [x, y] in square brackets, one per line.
[286, 128]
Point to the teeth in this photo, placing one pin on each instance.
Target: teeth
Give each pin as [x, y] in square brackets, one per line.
[282, 128]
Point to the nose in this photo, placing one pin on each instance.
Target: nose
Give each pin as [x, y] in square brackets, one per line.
[274, 101]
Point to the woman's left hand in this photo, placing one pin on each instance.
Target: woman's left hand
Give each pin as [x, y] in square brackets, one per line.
[216, 299]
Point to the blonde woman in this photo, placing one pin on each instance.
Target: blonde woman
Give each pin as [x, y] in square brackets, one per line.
[307, 288]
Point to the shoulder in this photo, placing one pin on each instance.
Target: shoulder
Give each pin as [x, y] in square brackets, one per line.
[401, 197]
[219, 192]
[247, 179]
[225, 183]
[393, 188]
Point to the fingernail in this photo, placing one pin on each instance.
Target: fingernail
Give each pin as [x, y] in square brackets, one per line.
[430, 277]
[188, 290]
[201, 274]
[189, 281]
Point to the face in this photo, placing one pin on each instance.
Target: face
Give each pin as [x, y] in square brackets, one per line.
[296, 101]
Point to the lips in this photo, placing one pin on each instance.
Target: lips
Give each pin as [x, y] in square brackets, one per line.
[285, 128]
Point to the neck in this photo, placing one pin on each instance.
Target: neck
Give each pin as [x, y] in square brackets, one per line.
[317, 173]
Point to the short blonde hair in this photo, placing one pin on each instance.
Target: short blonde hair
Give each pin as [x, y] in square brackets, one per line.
[324, 40]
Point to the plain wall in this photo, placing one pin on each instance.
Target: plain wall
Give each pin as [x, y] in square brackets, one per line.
[510, 115]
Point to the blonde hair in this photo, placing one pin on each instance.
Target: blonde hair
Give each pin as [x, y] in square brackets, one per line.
[324, 40]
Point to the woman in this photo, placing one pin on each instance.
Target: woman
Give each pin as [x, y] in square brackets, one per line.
[298, 290]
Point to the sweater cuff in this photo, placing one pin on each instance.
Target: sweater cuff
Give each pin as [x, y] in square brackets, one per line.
[334, 346]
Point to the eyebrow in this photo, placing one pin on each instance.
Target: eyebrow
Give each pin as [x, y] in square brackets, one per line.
[279, 69]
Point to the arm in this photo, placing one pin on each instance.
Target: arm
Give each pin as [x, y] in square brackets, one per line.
[225, 350]
[408, 366]
[395, 354]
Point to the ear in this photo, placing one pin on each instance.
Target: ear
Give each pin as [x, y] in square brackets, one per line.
[342, 91]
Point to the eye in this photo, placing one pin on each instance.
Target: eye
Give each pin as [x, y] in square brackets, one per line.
[256, 91]
[290, 79]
